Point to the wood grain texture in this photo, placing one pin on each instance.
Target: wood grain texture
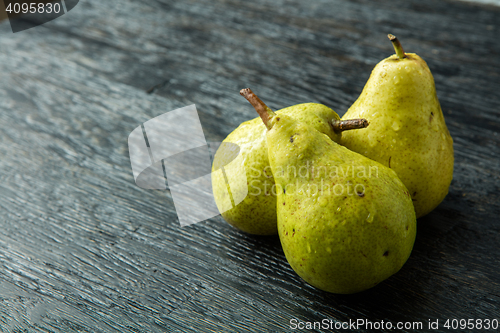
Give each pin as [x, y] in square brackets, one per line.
[83, 249]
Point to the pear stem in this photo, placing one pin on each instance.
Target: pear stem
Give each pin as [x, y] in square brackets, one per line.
[349, 124]
[265, 113]
[397, 46]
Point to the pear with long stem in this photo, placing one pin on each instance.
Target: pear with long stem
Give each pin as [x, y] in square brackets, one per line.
[345, 222]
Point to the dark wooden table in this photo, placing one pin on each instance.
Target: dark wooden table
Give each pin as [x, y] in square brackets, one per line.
[83, 249]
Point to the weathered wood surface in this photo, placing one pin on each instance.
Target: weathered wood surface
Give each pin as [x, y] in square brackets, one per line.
[82, 248]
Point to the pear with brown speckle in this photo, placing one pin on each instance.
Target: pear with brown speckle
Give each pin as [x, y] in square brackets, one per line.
[345, 222]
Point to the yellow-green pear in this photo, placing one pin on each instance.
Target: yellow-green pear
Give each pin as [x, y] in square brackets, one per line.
[407, 129]
[345, 222]
[256, 214]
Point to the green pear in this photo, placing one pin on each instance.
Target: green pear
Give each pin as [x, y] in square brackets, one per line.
[256, 214]
[345, 222]
[407, 129]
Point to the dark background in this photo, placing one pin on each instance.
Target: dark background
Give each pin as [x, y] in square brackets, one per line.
[83, 249]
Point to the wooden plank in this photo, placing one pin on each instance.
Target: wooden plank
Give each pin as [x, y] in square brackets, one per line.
[83, 248]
